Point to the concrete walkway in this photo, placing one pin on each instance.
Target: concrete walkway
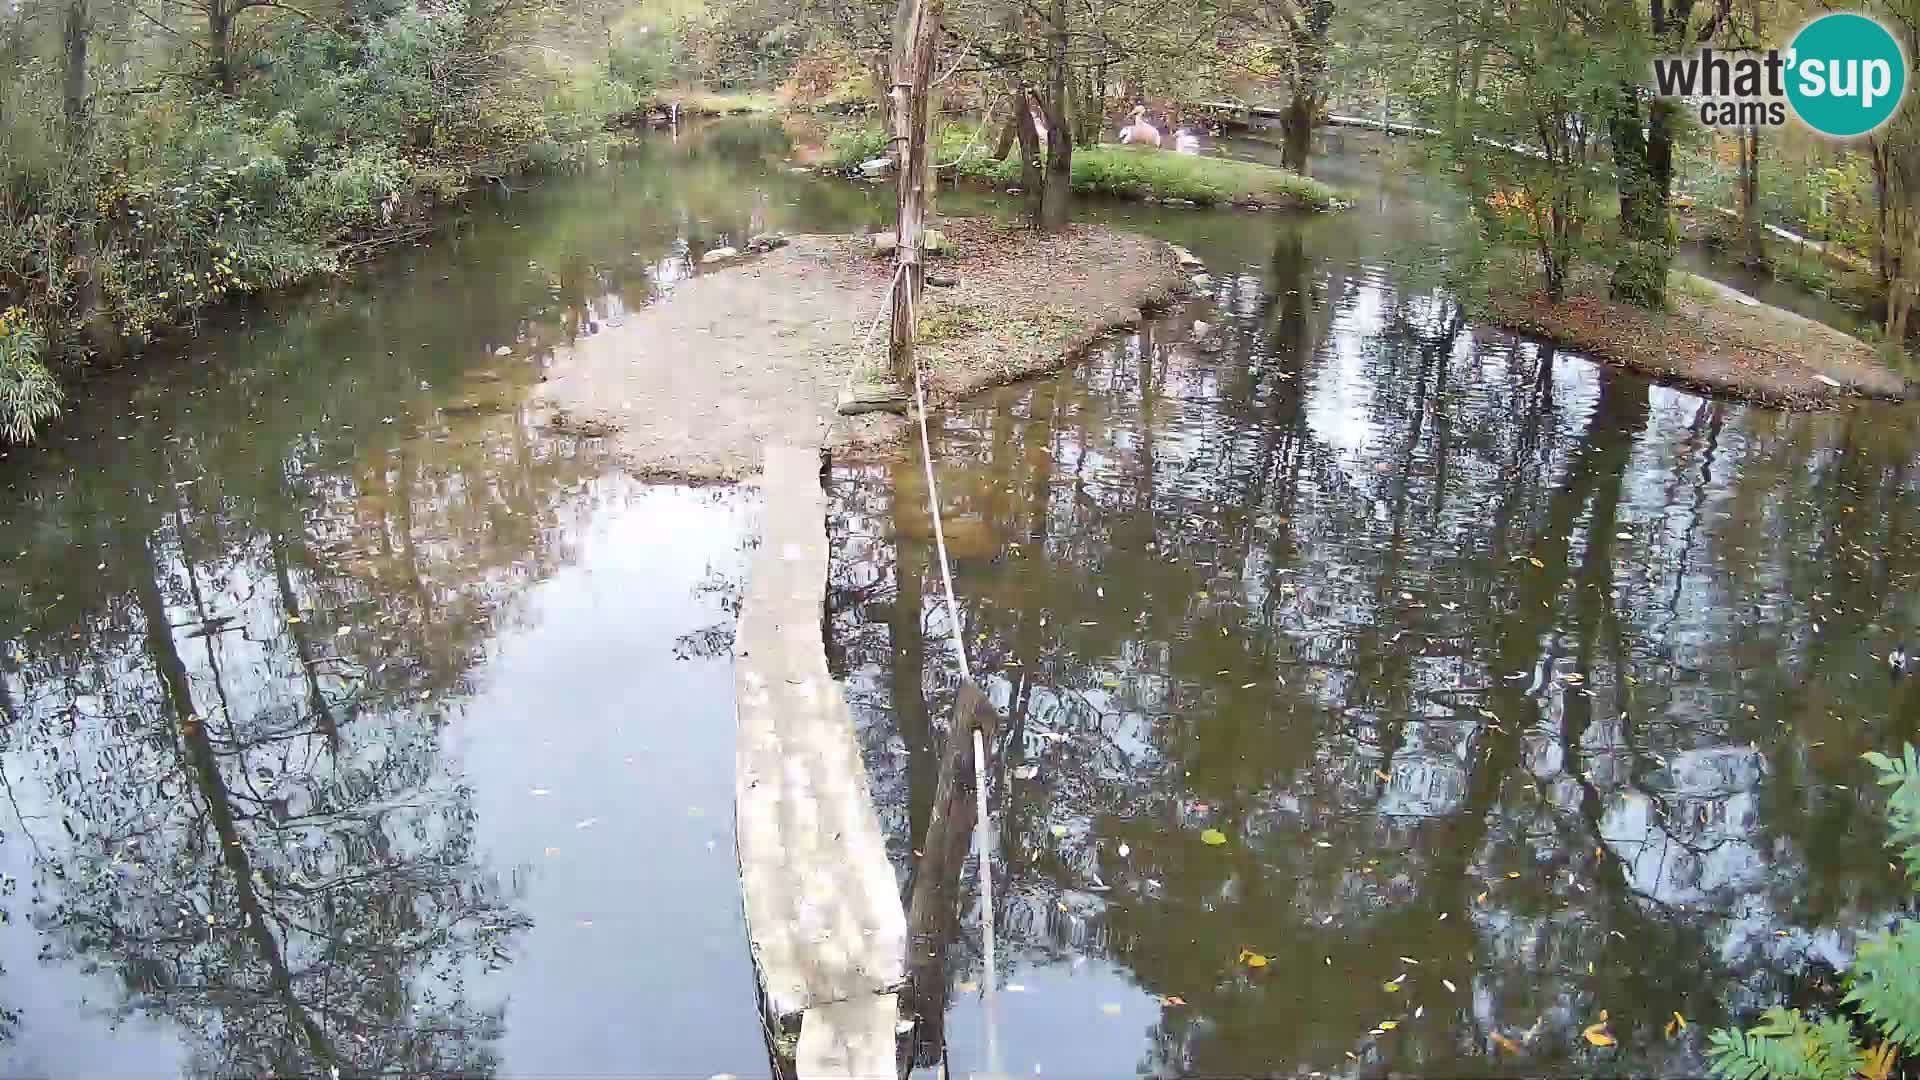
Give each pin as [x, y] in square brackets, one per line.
[823, 911]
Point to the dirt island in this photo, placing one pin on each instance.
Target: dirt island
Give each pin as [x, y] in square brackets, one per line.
[761, 348]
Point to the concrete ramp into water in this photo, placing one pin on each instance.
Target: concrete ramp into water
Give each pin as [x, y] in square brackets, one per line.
[823, 912]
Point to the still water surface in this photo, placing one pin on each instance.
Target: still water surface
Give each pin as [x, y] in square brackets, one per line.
[352, 720]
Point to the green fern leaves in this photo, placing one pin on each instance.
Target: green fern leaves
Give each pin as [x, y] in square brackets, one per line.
[1884, 985]
[1785, 1046]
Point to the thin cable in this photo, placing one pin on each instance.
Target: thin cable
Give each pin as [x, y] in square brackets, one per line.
[933, 508]
[982, 835]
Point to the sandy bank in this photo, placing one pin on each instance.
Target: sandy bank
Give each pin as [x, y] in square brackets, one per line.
[760, 349]
[1714, 340]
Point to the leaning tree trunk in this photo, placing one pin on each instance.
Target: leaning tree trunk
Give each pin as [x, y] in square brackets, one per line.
[1056, 203]
[220, 44]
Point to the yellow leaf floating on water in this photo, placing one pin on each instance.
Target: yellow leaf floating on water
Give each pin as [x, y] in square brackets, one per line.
[1389, 1025]
[1505, 1043]
[1213, 837]
[1059, 830]
[1252, 959]
[1537, 564]
[1597, 1033]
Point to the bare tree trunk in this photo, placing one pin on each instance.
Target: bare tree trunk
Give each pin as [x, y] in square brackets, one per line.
[74, 85]
[78, 116]
[1056, 202]
[1756, 252]
[1296, 132]
[1029, 136]
[220, 44]
[919, 22]
[1882, 256]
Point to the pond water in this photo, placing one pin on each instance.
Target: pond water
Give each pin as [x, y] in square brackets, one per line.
[352, 720]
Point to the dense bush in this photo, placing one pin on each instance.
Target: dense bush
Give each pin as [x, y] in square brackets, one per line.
[179, 196]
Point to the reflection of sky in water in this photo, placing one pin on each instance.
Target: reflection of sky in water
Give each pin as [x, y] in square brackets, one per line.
[1495, 660]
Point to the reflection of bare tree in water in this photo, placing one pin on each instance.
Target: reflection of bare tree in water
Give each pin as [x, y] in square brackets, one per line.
[1396, 603]
[295, 899]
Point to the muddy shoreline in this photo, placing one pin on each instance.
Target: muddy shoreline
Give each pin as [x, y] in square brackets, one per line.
[760, 349]
[1714, 341]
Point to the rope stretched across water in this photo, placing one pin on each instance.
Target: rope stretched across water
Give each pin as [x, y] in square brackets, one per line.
[982, 836]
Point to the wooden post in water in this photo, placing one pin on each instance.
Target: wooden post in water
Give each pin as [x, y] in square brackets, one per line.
[933, 912]
[916, 24]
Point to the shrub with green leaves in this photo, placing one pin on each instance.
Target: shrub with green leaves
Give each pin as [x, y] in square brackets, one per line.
[29, 396]
[1883, 988]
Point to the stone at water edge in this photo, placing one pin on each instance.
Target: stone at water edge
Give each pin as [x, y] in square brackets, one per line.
[1202, 281]
[876, 166]
[718, 254]
[873, 397]
[504, 350]
[1188, 260]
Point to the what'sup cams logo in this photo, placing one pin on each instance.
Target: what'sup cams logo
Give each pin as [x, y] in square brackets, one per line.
[1843, 75]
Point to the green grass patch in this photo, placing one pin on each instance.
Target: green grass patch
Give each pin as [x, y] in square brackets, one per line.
[1122, 172]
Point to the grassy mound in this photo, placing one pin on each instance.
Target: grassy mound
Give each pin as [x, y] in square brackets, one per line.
[1123, 172]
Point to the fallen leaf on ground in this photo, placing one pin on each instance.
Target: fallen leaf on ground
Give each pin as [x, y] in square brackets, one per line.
[1213, 837]
[1252, 959]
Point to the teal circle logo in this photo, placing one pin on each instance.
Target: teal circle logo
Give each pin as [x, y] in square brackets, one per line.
[1845, 74]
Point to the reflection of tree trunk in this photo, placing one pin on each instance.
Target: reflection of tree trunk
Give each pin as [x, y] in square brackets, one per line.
[907, 644]
[203, 766]
[403, 499]
[208, 631]
[1617, 420]
[303, 647]
[206, 773]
